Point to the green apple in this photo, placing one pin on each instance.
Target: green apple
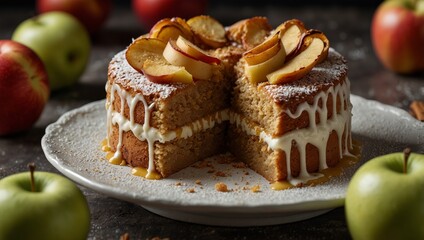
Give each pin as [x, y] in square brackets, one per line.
[54, 209]
[61, 41]
[385, 198]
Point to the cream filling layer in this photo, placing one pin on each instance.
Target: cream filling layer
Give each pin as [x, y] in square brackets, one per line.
[145, 132]
[315, 134]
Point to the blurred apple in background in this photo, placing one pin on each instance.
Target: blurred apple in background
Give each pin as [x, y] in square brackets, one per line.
[151, 11]
[24, 87]
[91, 13]
[61, 41]
[397, 33]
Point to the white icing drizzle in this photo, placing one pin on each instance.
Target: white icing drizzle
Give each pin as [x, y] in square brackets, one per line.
[145, 132]
[315, 134]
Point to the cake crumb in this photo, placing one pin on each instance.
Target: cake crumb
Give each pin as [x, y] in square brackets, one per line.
[239, 165]
[225, 160]
[190, 190]
[255, 188]
[178, 184]
[221, 187]
[220, 174]
[416, 108]
[198, 182]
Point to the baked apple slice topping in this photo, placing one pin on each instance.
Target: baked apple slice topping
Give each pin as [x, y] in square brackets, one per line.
[163, 72]
[208, 30]
[311, 50]
[264, 59]
[143, 49]
[290, 33]
[249, 32]
[145, 56]
[171, 28]
[176, 56]
[194, 51]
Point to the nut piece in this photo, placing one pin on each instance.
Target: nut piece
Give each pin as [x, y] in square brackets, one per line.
[208, 30]
[312, 49]
[249, 32]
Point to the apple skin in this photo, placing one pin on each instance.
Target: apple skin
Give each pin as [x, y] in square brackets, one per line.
[58, 210]
[151, 11]
[61, 42]
[397, 34]
[91, 13]
[24, 87]
[384, 203]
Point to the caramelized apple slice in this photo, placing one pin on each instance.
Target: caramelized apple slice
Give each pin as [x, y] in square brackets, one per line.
[312, 49]
[144, 49]
[249, 32]
[162, 72]
[258, 72]
[290, 33]
[194, 51]
[175, 56]
[208, 30]
[167, 29]
[256, 30]
[263, 51]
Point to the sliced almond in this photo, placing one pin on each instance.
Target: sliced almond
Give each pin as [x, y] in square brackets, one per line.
[175, 56]
[310, 51]
[144, 49]
[208, 30]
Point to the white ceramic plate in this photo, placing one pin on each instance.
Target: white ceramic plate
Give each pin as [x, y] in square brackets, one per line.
[72, 145]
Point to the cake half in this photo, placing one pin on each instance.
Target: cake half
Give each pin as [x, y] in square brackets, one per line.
[292, 131]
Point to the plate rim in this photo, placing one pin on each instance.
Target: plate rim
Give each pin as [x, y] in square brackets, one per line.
[303, 206]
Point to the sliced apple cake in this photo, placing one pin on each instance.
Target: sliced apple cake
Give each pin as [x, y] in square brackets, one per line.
[277, 99]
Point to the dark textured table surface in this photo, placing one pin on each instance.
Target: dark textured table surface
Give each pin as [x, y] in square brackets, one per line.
[348, 29]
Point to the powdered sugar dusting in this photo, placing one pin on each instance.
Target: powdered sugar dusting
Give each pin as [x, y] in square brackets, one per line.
[122, 73]
[322, 76]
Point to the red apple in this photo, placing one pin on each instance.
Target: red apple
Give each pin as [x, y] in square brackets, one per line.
[91, 13]
[24, 87]
[397, 33]
[151, 11]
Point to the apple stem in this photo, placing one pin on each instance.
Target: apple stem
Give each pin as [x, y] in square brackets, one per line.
[31, 167]
[406, 154]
